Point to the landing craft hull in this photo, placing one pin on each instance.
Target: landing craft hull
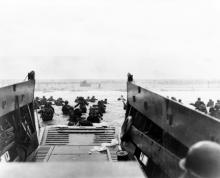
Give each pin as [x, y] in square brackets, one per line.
[162, 130]
[18, 133]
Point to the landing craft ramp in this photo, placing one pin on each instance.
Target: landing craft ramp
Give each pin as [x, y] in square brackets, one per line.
[68, 170]
[69, 152]
[76, 144]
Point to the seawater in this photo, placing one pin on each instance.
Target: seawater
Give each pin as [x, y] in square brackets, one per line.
[114, 115]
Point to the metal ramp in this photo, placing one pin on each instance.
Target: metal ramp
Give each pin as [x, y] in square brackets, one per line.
[67, 144]
[67, 170]
[42, 153]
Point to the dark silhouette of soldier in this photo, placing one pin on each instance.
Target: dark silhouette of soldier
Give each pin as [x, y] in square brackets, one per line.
[66, 108]
[82, 103]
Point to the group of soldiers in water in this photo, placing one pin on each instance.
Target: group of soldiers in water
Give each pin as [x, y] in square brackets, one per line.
[211, 108]
[75, 113]
[45, 106]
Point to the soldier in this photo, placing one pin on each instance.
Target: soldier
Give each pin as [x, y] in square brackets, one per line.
[37, 103]
[51, 99]
[101, 106]
[217, 105]
[105, 101]
[210, 103]
[43, 101]
[94, 116]
[202, 161]
[202, 108]
[121, 98]
[93, 99]
[66, 108]
[124, 104]
[59, 102]
[88, 99]
[72, 117]
[47, 112]
[49, 105]
[173, 98]
[198, 103]
[75, 116]
[76, 100]
[212, 111]
[82, 104]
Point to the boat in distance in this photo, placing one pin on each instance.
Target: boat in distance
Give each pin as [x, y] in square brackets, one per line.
[84, 83]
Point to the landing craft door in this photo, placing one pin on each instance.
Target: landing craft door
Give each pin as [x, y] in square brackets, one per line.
[152, 115]
[164, 129]
[18, 137]
[150, 105]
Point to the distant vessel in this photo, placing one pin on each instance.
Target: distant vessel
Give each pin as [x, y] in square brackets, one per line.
[84, 83]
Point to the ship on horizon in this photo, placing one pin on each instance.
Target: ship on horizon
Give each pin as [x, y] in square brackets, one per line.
[84, 83]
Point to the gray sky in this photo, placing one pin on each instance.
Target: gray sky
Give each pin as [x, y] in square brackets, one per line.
[108, 38]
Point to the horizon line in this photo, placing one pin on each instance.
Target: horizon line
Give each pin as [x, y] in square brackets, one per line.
[202, 79]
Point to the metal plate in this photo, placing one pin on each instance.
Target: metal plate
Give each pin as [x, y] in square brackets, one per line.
[77, 153]
[53, 136]
[42, 153]
[71, 150]
[67, 170]
[24, 91]
[79, 157]
[68, 145]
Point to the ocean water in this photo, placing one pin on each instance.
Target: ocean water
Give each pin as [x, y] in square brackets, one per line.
[114, 115]
[113, 89]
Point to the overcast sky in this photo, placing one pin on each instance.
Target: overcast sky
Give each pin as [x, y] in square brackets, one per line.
[108, 38]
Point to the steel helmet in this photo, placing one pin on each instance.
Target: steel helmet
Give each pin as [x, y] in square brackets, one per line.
[203, 160]
[66, 102]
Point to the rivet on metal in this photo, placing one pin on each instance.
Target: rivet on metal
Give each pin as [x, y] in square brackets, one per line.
[134, 98]
[139, 89]
[14, 87]
[170, 118]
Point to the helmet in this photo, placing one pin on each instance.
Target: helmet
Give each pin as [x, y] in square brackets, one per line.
[66, 102]
[203, 160]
